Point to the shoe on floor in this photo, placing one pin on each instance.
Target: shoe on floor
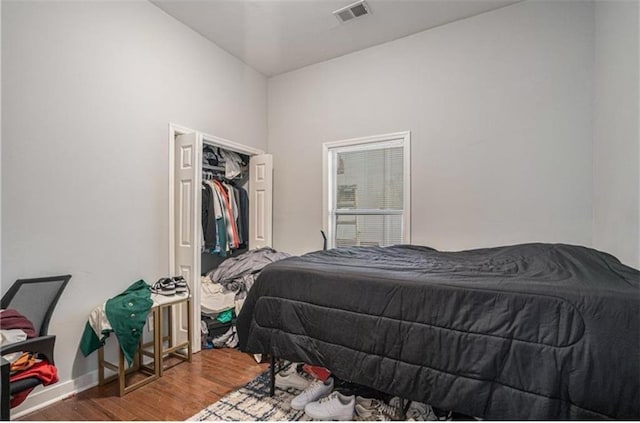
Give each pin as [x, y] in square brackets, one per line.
[164, 286]
[366, 409]
[291, 379]
[368, 403]
[396, 402]
[233, 341]
[333, 407]
[220, 341]
[372, 409]
[364, 406]
[421, 412]
[316, 390]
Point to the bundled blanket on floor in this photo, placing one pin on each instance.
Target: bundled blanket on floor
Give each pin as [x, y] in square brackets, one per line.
[238, 274]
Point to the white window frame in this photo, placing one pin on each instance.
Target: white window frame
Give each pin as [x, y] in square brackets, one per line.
[330, 149]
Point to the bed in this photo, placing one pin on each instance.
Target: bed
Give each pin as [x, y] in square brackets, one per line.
[531, 331]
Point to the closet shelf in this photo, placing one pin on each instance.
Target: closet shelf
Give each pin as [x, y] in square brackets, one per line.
[211, 167]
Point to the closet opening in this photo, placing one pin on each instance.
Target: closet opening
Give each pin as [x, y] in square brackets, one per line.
[202, 169]
[227, 172]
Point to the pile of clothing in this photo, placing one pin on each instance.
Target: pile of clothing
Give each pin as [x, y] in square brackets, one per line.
[14, 328]
[223, 291]
[231, 161]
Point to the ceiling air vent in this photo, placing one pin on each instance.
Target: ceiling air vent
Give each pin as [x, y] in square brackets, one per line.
[355, 10]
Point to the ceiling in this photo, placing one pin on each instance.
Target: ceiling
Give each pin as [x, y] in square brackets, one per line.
[276, 36]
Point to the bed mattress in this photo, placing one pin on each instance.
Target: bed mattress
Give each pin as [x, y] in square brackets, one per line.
[532, 331]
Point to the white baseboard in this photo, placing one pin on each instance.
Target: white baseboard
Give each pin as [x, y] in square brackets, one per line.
[43, 396]
[47, 395]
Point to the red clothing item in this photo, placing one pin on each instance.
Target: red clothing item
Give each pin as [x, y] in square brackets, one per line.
[231, 221]
[317, 371]
[11, 319]
[47, 373]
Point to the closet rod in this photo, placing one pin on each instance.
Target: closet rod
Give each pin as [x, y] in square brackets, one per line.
[212, 167]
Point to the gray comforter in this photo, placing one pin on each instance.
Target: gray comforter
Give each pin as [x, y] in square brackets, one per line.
[533, 331]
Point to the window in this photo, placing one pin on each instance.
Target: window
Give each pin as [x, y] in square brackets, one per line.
[366, 191]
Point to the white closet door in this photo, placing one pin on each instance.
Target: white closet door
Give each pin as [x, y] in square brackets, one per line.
[187, 200]
[260, 201]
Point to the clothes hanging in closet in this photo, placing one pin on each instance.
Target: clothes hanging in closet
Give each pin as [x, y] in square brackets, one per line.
[225, 217]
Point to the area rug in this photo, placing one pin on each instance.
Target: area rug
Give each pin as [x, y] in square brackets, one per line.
[252, 402]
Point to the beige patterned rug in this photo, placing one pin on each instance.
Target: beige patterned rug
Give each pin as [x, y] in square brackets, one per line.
[252, 402]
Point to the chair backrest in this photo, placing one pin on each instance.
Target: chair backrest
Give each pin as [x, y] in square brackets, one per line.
[36, 299]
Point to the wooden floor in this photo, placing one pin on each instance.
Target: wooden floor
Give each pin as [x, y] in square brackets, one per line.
[181, 392]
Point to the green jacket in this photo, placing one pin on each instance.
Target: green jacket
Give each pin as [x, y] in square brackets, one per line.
[127, 315]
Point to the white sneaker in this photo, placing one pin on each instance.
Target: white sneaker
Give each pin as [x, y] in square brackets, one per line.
[316, 390]
[419, 411]
[291, 379]
[375, 410]
[368, 403]
[334, 407]
[396, 402]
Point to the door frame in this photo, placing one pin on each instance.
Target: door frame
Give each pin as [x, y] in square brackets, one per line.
[175, 130]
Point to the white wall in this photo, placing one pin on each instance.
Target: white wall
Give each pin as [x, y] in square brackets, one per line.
[616, 135]
[88, 90]
[500, 109]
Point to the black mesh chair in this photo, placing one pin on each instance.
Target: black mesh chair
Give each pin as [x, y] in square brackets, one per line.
[35, 299]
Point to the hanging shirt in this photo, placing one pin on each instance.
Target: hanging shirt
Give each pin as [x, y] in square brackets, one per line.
[221, 244]
[239, 223]
[217, 204]
[209, 227]
[231, 226]
[234, 211]
[226, 236]
[244, 214]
